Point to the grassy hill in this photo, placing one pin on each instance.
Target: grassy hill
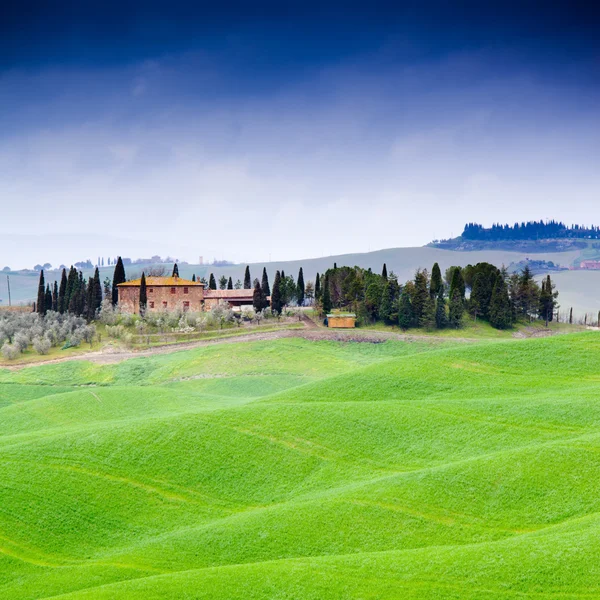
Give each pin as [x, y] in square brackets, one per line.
[308, 470]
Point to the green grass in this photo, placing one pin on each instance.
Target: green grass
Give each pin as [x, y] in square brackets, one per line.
[294, 469]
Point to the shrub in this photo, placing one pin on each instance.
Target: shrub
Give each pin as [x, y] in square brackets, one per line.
[115, 331]
[21, 340]
[10, 351]
[88, 333]
[42, 345]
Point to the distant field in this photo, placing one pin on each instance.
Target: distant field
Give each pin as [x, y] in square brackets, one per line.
[306, 470]
[580, 291]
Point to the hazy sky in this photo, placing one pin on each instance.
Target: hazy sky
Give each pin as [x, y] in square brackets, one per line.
[267, 131]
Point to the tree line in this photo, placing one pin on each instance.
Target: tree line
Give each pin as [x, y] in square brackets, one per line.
[76, 295]
[532, 230]
[436, 301]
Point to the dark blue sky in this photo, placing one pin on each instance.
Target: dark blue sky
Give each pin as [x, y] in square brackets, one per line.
[432, 114]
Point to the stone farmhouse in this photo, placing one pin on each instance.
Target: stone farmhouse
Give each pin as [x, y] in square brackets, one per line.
[175, 293]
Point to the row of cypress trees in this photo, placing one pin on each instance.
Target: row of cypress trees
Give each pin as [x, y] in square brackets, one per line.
[428, 302]
[74, 295]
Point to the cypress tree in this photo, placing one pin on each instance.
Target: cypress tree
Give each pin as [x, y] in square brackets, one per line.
[259, 300]
[247, 279]
[387, 301]
[421, 295]
[276, 303]
[456, 309]
[384, 271]
[222, 282]
[118, 277]
[457, 285]
[41, 295]
[48, 299]
[194, 277]
[405, 311]
[436, 281]
[175, 271]
[317, 287]
[500, 309]
[212, 284]
[230, 284]
[428, 315]
[144, 294]
[441, 320]
[547, 300]
[55, 297]
[97, 292]
[326, 295]
[62, 290]
[91, 294]
[81, 296]
[300, 287]
[265, 283]
[477, 300]
[571, 316]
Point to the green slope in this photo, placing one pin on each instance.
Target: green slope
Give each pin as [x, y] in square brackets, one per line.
[297, 469]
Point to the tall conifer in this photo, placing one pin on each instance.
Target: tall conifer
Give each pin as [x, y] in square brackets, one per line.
[441, 320]
[212, 283]
[436, 281]
[384, 271]
[143, 295]
[118, 277]
[175, 271]
[48, 298]
[247, 279]
[97, 296]
[230, 284]
[55, 297]
[41, 295]
[317, 287]
[300, 287]
[405, 312]
[276, 304]
[456, 309]
[326, 295]
[500, 309]
[265, 283]
[62, 290]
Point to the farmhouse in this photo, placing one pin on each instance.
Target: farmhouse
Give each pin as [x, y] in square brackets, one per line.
[590, 264]
[175, 293]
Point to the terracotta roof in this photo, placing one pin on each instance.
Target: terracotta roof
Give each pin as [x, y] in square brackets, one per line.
[229, 293]
[162, 281]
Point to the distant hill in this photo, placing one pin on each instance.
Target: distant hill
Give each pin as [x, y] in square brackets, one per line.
[579, 290]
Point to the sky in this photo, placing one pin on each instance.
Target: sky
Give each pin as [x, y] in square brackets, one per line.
[289, 130]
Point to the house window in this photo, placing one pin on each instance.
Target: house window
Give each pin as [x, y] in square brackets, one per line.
[165, 304]
[150, 290]
[185, 290]
[186, 306]
[151, 304]
[172, 290]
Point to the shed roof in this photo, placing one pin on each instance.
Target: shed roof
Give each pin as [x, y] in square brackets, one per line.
[162, 281]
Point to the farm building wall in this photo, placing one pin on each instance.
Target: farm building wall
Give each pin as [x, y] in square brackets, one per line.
[162, 298]
[341, 322]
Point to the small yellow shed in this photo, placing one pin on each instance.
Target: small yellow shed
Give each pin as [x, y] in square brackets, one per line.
[341, 320]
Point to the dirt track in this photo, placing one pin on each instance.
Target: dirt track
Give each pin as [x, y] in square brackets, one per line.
[310, 332]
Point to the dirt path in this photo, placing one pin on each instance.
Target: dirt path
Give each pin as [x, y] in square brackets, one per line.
[311, 331]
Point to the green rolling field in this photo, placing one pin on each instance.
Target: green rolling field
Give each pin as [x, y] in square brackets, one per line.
[295, 469]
